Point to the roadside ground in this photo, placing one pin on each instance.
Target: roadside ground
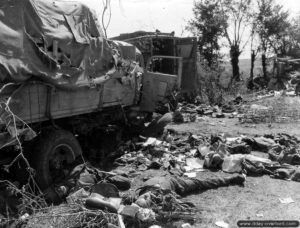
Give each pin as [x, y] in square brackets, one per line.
[259, 198]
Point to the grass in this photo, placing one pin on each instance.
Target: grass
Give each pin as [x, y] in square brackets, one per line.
[245, 66]
[280, 109]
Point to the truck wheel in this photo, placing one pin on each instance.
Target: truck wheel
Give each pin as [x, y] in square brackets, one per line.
[54, 150]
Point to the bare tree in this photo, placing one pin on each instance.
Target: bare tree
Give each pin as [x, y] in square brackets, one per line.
[238, 16]
[255, 48]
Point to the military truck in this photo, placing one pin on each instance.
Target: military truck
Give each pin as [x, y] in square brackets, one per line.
[60, 78]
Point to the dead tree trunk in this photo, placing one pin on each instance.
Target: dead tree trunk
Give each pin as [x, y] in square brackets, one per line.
[250, 84]
[264, 65]
[253, 56]
[234, 55]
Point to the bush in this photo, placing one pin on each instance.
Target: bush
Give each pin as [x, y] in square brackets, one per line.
[209, 88]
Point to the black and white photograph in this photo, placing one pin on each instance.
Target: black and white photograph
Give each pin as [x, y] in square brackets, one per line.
[149, 113]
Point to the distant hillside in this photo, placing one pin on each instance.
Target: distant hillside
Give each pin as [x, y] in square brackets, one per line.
[245, 65]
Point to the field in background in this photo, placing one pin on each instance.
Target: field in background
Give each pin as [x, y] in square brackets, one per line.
[245, 65]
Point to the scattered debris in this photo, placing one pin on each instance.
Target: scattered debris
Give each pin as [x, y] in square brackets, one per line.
[260, 215]
[193, 163]
[186, 225]
[222, 224]
[190, 175]
[180, 159]
[153, 170]
[286, 200]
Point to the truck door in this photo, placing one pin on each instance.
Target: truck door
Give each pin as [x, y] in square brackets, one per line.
[187, 49]
[157, 86]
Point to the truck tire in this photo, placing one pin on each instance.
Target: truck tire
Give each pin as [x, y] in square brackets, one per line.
[54, 150]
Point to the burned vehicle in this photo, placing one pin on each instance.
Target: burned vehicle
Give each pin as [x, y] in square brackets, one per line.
[61, 78]
[167, 44]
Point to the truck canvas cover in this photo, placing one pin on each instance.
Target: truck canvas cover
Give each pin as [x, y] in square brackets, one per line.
[54, 41]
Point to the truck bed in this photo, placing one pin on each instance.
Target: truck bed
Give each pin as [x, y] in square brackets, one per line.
[37, 102]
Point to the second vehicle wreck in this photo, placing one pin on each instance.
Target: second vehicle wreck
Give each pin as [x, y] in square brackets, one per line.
[61, 77]
[158, 43]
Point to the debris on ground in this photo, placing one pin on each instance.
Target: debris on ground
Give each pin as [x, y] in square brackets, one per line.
[149, 176]
[286, 200]
[130, 193]
[180, 159]
[222, 224]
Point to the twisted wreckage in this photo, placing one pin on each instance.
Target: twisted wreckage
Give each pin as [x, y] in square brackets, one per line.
[58, 71]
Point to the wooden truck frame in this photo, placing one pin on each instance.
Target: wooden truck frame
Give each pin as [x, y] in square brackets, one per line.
[44, 106]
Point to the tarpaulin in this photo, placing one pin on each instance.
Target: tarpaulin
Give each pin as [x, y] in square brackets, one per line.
[57, 41]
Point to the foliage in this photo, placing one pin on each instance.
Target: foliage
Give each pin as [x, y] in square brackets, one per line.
[208, 24]
[294, 37]
[221, 18]
[209, 83]
[238, 14]
[271, 31]
[272, 26]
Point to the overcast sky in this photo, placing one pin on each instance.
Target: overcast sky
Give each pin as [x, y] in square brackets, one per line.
[164, 15]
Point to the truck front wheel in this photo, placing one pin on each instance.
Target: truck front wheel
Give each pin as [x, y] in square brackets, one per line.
[54, 150]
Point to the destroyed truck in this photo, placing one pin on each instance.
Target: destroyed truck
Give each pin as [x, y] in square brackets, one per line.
[61, 77]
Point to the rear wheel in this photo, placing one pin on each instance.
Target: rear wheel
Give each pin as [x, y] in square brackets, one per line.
[54, 151]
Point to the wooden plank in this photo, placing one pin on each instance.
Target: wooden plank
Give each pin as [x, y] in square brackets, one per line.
[30, 103]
